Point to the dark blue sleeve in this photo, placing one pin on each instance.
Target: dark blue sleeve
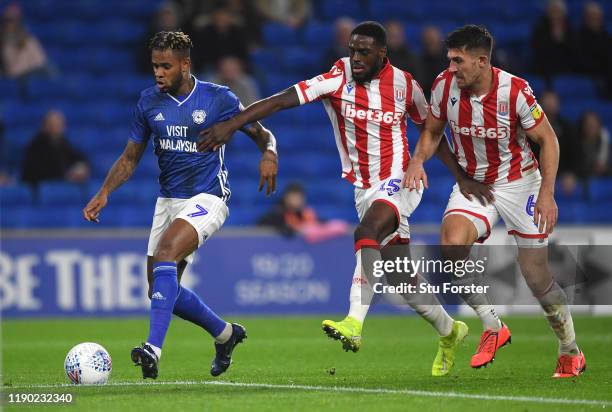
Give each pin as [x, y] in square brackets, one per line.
[229, 105]
[139, 130]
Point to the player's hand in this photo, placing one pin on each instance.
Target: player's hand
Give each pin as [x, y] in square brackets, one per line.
[215, 137]
[482, 192]
[545, 213]
[414, 175]
[268, 169]
[91, 212]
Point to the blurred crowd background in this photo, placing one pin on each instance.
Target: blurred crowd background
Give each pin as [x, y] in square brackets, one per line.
[72, 72]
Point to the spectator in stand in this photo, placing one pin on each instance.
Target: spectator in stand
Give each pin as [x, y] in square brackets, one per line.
[433, 57]
[223, 36]
[595, 146]
[343, 26]
[291, 13]
[596, 47]
[249, 18]
[5, 160]
[569, 144]
[230, 73]
[292, 216]
[50, 156]
[553, 42]
[167, 18]
[399, 53]
[22, 54]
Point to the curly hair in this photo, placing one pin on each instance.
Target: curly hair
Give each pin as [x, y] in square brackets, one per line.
[173, 40]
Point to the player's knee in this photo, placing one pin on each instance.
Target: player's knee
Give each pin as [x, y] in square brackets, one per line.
[449, 237]
[165, 252]
[536, 273]
[366, 230]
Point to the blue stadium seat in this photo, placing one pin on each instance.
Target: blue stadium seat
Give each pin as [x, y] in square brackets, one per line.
[10, 88]
[332, 211]
[244, 216]
[332, 9]
[600, 190]
[300, 61]
[61, 193]
[383, 10]
[15, 196]
[317, 35]
[276, 82]
[573, 86]
[275, 34]
[598, 212]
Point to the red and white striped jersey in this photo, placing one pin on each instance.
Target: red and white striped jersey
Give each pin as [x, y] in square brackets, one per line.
[369, 119]
[488, 132]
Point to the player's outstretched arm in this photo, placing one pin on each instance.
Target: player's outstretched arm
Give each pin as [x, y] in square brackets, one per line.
[467, 185]
[220, 133]
[427, 145]
[545, 212]
[268, 165]
[120, 172]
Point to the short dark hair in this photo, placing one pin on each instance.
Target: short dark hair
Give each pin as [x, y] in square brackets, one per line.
[471, 37]
[173, 40]
[372, 29]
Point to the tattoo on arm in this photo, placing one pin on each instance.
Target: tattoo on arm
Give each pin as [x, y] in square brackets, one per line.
[124, 166]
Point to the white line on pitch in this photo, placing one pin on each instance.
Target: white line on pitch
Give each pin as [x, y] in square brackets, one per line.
[410, 392]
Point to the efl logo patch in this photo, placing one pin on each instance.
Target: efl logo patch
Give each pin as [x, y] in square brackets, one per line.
[536, 111]
[502, 108]
[198, 116]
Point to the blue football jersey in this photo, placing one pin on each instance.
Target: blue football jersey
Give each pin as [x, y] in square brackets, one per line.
[174, 125]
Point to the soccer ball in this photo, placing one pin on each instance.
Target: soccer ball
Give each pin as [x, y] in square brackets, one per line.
[88, 364]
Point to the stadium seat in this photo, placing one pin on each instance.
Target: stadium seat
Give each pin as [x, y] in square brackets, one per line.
[332, 9]
[243, 216]
[315, 35]
[15, 196]
[61, 193]
[573, 86]
[383, 10]
[600, 190]
[275, 34]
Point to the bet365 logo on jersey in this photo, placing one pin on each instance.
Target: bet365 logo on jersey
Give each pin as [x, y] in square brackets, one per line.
[391, 186]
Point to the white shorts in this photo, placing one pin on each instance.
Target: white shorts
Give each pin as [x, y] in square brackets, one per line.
[389, 191]
[514, 203]
[206, 213]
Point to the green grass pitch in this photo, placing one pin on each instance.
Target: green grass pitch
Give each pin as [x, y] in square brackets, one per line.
[288, 364]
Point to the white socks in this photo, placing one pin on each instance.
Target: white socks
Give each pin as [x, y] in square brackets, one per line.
[361, 293]
[488, 316]
[156, 350]
[554, 303]
[225, 334]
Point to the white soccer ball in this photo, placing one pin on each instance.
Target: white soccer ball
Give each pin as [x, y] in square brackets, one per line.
[88, 364]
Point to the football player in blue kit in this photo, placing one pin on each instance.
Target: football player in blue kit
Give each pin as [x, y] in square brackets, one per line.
[194, 190]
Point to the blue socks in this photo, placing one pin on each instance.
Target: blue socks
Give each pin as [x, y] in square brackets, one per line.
[165, 287]
[190, 307]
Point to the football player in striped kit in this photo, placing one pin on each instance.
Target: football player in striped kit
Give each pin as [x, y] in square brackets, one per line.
[368, 102]
[491, 113]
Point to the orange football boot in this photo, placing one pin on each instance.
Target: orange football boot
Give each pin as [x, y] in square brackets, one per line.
[490, 341]
[569, 366]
